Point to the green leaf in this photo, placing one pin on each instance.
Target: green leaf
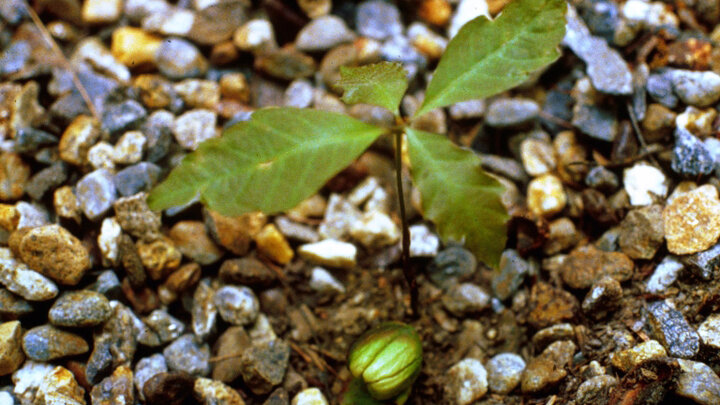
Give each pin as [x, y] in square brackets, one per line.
[270, 163]
[487, 57]
[381, 84]
[457, 195]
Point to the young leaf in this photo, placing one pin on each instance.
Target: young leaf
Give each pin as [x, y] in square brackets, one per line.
[270, 163]
[487, 57]
[457, 195]
[381, 84]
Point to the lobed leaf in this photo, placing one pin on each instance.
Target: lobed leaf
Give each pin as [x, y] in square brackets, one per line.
[381, 84]
[487, 57]
[457, 195]
[270, 163]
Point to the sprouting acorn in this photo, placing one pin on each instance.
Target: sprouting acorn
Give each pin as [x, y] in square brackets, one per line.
[387, 359]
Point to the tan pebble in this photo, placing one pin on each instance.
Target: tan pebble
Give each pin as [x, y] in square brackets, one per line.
[191, 238]
[82, 133]
[625, 360]
[11, 354]
[14, 174]
[234, 85]
[234, 233]
[159, 257]
[273, 244]
[60, 387]
[435, 12]
[133, 47]
[66, 204]
[546, 196]
[9, 217]
[692, 221]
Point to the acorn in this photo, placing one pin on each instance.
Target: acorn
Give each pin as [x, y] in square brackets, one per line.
[387, 358]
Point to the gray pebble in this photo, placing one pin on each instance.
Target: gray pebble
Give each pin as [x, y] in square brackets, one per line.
[504, 372]
[45, 343]
[704, 264]
[299, 94]
[13, 306]
[30, 139]
[96, 193]
[263, 366]
[378, 20]
[465, 298]
[323, 33]
[699, 89]
[602, 179]
[80, 309]
[146, 368]
[193, 127]
[186, 355]
[451, 265]
[660, 88]
[690, 156]
[595, 121]
[664, 275]
[166, 326]
[136, 178]
[698, 382]
[158, 133]
[673, 330]
[180, 59]
[513, 269]
[122, 117]
[509, 112]
[46, 179]
[237, 305]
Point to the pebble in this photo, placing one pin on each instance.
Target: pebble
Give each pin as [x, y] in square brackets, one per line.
[672, 329]
[13, 306]
[174, 21]
[14, 174]
[504, 372]
[323, 33]
[696, 121]
[129, 148]
[549, 305]
[263, 366]
[467, 109]
[309, 396]
[46, 179]
[450, 266]
[28, 379]
[234, 233]
[596, 389]
[296, 231]
[198, 93]
[698, 382]
[146, 368]
[562, 235]
[136, 218]
[185, 354]
[246, 270]
[96, 193]
[540, 374]
[53, 251]
[546, 336]
[703, 264]
[168, 388]
[167, 327]
[272, 244]
[423, 242]
[255, 36]
[691, 158]
[374, 230]
[100, 156]
[602, 297]
[19, 279]
[466, 11]
[203, 312]
[117, 389]
[378, 20]
[698, 89]
[465, 298]
[11, 354]
[545, 195]
[606, 68]
[101, 11]
[644, 183]
[45, 343]
[466, 381]
[330, 252]
[123, 116]
[658, 123]
[237, 305]
[159, 257]
[194, 127]
[692, 221]
[59, 387]
[627, 359]
[585, 265]
[398, 48]
[323, 282]
[178, 59]
[641, 232]
[94, 52]
[513, 269]
[136, 178]
[649, 14]
[230, 346]
[511, 112]
[340, 214]
[80, 308]
[538, 156]
[192, 240]
[82, 133]
[299, 94]
[211, 392]
[285, 63]
[602, 179]
[665, 274]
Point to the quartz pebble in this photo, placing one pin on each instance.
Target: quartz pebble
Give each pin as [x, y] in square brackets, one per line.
[187, 355]
[378, 20]
[59, 386]
[423, 243]
[374, 230]
[323, 282]
[504, 372]
[211, 392]
[643, 183]
[330, 252]
[672, 330]
[546, 196]
[96, 193]
[698, 382]
[309, 396]
[664, 275]
[193, 127]
[538, 156]
[21, 280]
[465, 298]
[692, 221]
[699, 89]
[237, 305]
[323, 33]
[271, 243]
[466, 381]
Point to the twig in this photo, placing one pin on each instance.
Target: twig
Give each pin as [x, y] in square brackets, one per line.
[66, 64]
[638, 133]
[408, 270]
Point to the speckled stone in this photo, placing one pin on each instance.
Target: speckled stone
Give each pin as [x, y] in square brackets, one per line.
[159, 257]
[81, 308]
[504, 372]
[45, 343]
[466, 381]
[53, 251]
[237, 305]
[513, 269]
[672, 330]
[187, 355]
[135, 217]
[11, 354]
[546, 195]
[625, 360]
[263, 366]
[641, 232]
[145, 369]
[14, 174]
[177, 58]
[21, 280]
[587, 264]
[203, 312]
[82, 133]
[13, 306]
[692, 221]
[550, 305]
[193, 127]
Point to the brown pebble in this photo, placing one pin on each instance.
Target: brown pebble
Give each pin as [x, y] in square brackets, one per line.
[192, 240]
[229, 347]
[247, 271]
[587, 264]
[131, 262]
[550, 305]
[168, 388]
[14, 174]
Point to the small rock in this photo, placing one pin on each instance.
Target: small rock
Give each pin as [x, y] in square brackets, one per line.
[45, 343]
[246, 270]
[192, 240]
[203, 312]
[423, 243]
[504, 372]
[698, 382]
[101, 11]
[546, 336]
[672, 329]
[595, 121]
[465, 298]
[550, 305]
[129, 148]
[513, 269]
[53, 251]
[296, 231]
[177, 59]
[285, 63]
[229, 347]
[511, 112]
[198, 93]
[100, 156]
[117, 389]
[378, 20]
[122, 117]
[159, 257]
[96, 193]
[28, 379]
[585, 265]
[323, 33]
[664, 275]
[255, 36]
[11, 354]
[545, 195]
[299, 94]
[263, 366]
[540, 374]
[432, 46]
[691, 158]
[450, 266]
[330, 252]
[186, 355]
[684, 236]
[466, 11]
[136, 178]
[374, 230]
[81, 308]
[340, 214]
[641, 232]
[136, 218]
[699, 89]
[602, 297]
[271, 243]
[14, 174]
[626, 359]
[109, 239]
[596, 389]
[174, 21]
[145, 369]
[562, 235]
[168, 388]
[193, 127]
[82, 133]
[237, 305]
[467, 109]
[643, 183]
[13, 306]
[19, 279]
[309, 396]
[167, 327]
[658, 123]
[59, 387]
[46, 179]
[134, 47]
[211, 392]
[323, 282]
[466, 381]
[696, 121]
[538, 156]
